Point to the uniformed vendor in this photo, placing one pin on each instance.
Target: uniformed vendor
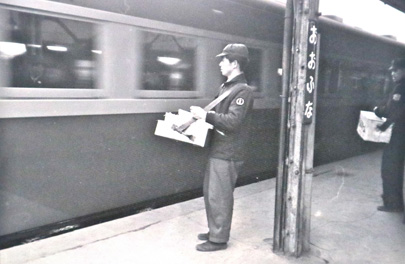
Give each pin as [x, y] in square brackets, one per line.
[392, 166]
[230, 120]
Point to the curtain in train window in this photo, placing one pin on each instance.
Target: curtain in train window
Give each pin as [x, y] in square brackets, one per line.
[169, 62]
[47, 52]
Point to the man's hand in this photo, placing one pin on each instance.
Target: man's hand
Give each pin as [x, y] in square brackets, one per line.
[198, 112]
[383, 126]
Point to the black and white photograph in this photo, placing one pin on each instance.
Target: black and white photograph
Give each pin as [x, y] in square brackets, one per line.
[202, 131]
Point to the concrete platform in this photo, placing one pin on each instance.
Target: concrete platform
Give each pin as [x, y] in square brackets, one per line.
[345, 228]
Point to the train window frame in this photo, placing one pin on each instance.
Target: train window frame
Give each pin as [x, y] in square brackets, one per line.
[197, 91]
[367, 82]
[348, 67]
[100, 101]
[18, 92]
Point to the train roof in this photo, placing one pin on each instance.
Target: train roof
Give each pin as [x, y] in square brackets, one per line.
[326, 22]
[398, 4]
[232, 17]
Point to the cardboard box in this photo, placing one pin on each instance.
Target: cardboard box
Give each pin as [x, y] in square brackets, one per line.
[196, 134]
[367, 128]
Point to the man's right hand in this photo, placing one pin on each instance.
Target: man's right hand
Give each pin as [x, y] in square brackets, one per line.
[198, 112]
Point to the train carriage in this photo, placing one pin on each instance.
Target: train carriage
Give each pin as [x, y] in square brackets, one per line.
[83, 84]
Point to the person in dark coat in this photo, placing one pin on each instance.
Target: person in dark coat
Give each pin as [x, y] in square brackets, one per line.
[392, 167]
[230, 120]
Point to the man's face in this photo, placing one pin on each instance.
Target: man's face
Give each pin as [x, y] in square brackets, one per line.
[398, 75]
[226, 67]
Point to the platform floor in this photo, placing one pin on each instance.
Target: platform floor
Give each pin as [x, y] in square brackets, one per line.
[345, 228]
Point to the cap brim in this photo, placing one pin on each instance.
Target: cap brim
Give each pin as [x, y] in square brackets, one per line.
[222, 54]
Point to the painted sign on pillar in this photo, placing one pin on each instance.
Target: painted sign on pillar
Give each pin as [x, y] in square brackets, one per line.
[310, 84]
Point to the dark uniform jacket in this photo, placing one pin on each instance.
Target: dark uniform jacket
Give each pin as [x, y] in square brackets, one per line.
[230, 120]
[394, 107]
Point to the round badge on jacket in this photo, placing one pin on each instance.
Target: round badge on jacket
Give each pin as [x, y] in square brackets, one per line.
[240, 101]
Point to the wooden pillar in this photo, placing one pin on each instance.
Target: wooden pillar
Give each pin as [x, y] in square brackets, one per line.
[293, 199]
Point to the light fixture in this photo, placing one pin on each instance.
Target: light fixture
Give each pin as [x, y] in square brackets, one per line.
[97, 51]
[9, 50]
[57, 48]
[37, 46]
[168, 60]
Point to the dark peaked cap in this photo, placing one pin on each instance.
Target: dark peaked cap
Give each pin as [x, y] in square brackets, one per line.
[239, 50]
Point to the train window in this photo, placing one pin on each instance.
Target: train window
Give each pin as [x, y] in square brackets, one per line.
[169, 62]
[379, 83]
[334, 78]
[328, 77]
[361, 79]
[324, 78]
[353, 82]
[253, 69]
[47, 52]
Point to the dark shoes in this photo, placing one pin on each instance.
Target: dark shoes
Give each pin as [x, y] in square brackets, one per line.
[211, 246]
[390, 209]
[203, 236]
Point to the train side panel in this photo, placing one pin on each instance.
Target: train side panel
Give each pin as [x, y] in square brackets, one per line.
[68, 167]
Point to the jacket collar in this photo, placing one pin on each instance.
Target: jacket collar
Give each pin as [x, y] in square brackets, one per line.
[237, 79]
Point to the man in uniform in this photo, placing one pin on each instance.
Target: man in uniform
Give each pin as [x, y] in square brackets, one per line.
[230, 121]
[392, 167]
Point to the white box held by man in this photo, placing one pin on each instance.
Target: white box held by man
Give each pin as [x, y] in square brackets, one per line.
[367, 128]
[197, 133]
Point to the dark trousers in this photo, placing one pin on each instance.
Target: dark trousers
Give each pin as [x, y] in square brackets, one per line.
[219, 184]
[392, 169]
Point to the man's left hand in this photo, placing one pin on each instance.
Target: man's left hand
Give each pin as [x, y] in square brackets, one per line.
[383, 126]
